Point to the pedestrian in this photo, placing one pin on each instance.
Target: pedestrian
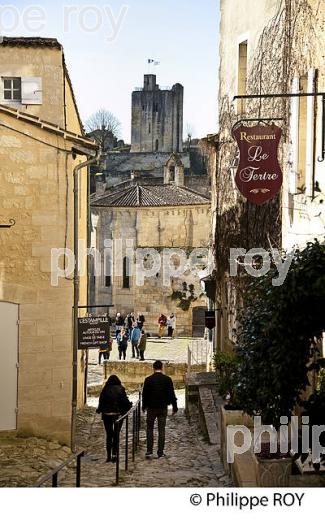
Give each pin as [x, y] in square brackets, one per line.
[162, 322]
[105, 351]
[135, 337]
[122, 342]
[140, 320]
[113, 402]
[119, 321]
[128, 322]
[142, 345]
[171, 325]
[158, 393]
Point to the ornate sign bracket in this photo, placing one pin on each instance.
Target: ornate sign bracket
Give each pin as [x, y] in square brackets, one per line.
[11, 223]
[292, 95]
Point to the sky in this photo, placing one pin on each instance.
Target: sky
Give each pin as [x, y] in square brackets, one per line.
[107, 44]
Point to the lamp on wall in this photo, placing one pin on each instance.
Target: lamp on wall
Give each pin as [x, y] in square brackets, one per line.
[11, 223]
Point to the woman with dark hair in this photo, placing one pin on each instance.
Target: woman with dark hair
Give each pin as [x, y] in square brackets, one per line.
[113, 402]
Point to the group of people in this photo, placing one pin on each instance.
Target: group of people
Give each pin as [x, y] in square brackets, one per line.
[158, 392]
[130, 329]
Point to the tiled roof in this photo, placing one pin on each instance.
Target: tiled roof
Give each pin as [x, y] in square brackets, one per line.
[145, 195]
[34, 41]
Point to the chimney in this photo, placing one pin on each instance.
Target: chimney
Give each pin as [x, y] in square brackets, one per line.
[100, 183]
[135, 175]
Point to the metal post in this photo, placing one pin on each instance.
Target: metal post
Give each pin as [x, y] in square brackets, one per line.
[55, 480]
[133, 436]
[86, 376]
[188, 360]
[126, 442]
[117, 453]
[139, 419]
[78, 470]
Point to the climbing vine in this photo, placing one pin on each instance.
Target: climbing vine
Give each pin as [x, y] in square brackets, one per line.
[289, 36]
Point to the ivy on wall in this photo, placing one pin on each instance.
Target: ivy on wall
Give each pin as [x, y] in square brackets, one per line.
[280, 331]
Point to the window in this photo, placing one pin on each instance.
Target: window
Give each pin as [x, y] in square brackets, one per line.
[126, 273]
[12, 89]
[157, 145]
[108, 269]
[242, 76]
[149, 128]
[25, 90]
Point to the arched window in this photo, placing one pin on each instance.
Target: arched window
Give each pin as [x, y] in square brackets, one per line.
[126, 273]
[157, 145]
[172, 173]
[108, 271]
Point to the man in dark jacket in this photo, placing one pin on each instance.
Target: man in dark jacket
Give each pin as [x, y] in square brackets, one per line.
[158, 393]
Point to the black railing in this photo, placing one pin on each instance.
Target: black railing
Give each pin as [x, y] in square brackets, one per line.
[135, 413]
[53, 475]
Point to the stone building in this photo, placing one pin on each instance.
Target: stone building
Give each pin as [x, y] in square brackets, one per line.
[156, 129]
[268, 47]
[41, 142]
[157, 117]
[137, 216]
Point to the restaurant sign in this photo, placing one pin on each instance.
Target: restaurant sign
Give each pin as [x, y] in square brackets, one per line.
[93, 332]
[259, 176]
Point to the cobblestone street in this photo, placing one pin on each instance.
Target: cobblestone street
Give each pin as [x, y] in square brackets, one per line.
[190, 461]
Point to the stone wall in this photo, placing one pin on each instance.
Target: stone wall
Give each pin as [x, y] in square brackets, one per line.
[184, 227]
[41, 62]
[36, 190]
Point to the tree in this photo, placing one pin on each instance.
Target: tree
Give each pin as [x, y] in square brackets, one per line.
[281, 327]
[189, 130]
[104, 127]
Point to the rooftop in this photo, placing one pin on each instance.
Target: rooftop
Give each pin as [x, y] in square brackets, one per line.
[34, 41]
[146, 195]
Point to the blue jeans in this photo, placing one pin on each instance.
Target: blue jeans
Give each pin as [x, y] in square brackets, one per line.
[135, 350]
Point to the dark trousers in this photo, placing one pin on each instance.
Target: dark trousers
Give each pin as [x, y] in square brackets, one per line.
[161, 415]
[111, 434]
[122, 352]
[135, 350]
[141, 352]
[170, 332]
[105, 355]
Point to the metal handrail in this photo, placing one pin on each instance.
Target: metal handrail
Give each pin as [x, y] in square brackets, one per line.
[54, 473]
[136, 421]
[198, 354]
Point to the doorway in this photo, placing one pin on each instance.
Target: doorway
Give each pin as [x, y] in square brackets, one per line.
[9, 314]
[198, 322]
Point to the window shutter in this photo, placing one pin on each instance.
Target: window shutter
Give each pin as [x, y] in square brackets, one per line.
[31, 91]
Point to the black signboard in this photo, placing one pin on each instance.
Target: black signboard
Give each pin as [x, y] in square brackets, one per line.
[93, 332]
[210, 319]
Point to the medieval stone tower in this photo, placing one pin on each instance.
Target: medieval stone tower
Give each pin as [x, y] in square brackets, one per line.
[157, 118]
